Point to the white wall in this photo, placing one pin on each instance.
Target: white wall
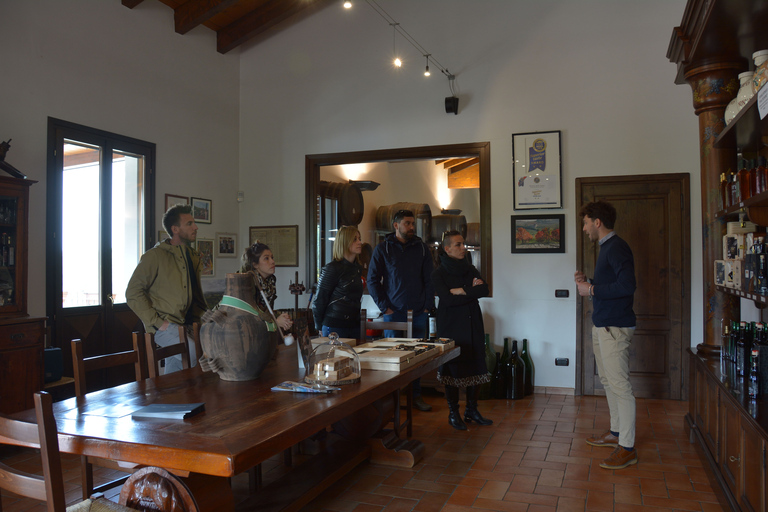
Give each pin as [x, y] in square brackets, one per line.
[102, 65]
[594, 69]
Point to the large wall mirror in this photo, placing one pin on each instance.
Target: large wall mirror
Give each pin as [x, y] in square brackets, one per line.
[447, 187]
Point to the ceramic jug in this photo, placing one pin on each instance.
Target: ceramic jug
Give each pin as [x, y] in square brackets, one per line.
[742, 97]
[761, 69]
[235, 339]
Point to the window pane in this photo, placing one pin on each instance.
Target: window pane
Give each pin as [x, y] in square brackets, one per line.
[127, 219]
[80, 237]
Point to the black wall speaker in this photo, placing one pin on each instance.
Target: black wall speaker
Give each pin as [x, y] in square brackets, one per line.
[451, 105]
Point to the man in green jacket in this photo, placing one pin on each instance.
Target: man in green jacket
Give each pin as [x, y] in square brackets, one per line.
[165, 289]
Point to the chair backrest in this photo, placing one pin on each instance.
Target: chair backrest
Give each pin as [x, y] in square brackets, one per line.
[196, 339]
[82, 365]
[50, 486]
[156, 353]
[406, 326]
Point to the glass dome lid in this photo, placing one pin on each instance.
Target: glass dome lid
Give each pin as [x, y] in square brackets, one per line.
[333, 363]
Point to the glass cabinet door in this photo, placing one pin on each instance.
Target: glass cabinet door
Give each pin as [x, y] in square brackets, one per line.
[9, 233]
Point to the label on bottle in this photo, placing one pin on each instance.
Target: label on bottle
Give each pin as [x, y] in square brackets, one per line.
[432, 327]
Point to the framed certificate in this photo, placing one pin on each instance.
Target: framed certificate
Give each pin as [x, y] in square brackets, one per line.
[537, 170]
[282, 240]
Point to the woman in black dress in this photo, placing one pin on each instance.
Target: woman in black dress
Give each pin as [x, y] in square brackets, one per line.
[458, 285]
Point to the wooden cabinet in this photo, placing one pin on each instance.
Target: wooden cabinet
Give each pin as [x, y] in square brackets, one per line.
[731, 432]
[21, 338]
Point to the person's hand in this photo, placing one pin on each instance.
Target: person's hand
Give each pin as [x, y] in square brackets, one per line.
[579, 277]
[477, 281]
[584, 288]
[164, 326]
[389, 311]
[458, 291]
[284, 321]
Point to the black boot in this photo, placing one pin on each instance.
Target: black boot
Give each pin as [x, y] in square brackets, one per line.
[454, 415]
[471, 413]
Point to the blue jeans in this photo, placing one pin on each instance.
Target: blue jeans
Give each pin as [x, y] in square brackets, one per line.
[419, 329]
[170, 336]
[343, 332]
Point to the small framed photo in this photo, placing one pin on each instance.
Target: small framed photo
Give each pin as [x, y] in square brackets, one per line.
[536, 234]
[201, 210]
[226, 245]
[161, 235]
[205, 249]
[172, 199]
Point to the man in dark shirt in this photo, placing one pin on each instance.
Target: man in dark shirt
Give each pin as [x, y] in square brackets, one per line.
[612, 292]
[400, 279]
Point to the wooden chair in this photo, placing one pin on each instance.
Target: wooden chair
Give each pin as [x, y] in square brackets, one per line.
[43, 436]
[406, 326]
[154, 488]
[81, 366]
[155, 353]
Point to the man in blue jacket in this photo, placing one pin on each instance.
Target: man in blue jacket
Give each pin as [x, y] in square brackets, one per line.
[612, 291]
[400, 278]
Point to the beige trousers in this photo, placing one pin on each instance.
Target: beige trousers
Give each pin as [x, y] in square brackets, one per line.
[611, 347]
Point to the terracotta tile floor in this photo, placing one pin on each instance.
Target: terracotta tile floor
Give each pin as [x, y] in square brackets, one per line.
[533, 459]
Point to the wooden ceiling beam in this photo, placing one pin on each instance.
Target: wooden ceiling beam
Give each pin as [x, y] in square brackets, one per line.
[463, 164]
[257, 21]
[192, 13]
[453, 162]
[131, 3]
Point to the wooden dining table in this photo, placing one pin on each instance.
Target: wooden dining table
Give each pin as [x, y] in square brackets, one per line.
[244, 423]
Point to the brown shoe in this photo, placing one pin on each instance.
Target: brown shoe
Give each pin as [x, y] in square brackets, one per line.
[606, 439]
[620, 458]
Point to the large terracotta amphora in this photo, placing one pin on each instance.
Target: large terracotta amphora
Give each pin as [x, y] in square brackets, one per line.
[236, 343]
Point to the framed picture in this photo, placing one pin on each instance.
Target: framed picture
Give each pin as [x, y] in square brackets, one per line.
[538, 170]
[205, 248]
[161, 235]
[201, 210]
[171, 199]
[538, 234]
[226, 245]
[282, 240]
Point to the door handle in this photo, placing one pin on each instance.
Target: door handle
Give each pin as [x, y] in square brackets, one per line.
[111, 298]
[734, 459]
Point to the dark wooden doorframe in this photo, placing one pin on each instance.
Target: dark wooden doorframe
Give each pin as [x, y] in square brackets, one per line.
[681, 182]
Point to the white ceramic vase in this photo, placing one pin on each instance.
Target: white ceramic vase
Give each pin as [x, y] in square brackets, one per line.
[742, 97]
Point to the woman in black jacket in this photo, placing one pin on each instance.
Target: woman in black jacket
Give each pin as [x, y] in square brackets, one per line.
[458, 285]
[337, 304]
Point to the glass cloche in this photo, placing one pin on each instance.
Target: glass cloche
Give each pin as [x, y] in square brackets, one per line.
[333, 363]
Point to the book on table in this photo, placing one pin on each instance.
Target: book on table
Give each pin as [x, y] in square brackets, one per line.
[169, 411]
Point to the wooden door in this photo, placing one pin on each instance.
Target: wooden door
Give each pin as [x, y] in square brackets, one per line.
[653, 216]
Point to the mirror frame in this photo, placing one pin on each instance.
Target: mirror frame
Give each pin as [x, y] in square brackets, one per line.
[481, 150]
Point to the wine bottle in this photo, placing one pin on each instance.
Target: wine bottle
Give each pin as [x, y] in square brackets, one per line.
[490, 365]
[505, 352]
[754, 379]
[432, 324]
[499, 380]
[529, 368]
[740, 347]
[515, 375]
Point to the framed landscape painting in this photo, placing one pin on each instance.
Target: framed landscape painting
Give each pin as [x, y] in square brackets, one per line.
[538, 234]
[201, 210]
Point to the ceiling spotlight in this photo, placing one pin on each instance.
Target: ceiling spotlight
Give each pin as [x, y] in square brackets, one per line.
[397, 60]
[347, 4]
[426, 71]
